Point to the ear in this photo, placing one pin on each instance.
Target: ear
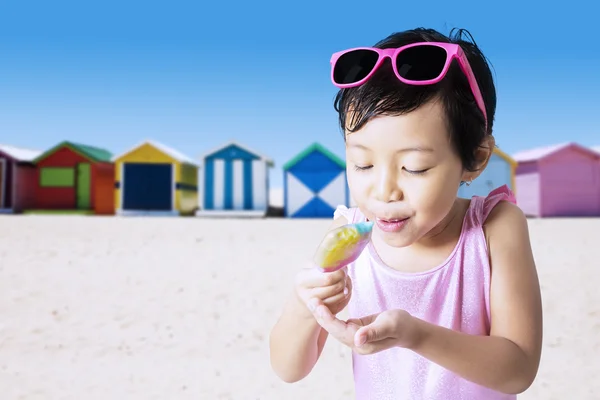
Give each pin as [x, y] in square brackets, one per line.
[482, 157]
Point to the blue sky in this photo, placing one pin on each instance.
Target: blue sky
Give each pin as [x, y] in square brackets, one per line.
[193, 76]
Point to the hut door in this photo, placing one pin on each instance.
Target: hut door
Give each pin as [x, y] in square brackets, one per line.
[83, 186]
[2, 181]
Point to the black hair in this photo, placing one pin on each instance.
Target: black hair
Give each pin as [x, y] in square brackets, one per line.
[384, 94]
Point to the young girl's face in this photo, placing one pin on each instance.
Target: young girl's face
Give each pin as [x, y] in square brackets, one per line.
[404, 174]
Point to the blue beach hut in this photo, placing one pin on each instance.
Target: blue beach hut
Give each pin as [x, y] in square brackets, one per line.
[234, 181]
[314, 184]
[500, 171]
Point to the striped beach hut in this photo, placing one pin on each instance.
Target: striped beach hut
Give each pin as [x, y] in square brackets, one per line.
[74, 177]
[314, 184]
[234, 182]
[17, 178]
[558, 181]
[500, 171]
[152, 178]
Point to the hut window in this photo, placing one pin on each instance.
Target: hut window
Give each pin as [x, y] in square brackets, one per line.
[57, 177]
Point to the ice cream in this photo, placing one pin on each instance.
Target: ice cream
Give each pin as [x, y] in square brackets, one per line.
[342, 246]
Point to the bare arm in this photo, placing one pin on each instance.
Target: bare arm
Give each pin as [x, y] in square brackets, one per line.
[508, 359]
[296, 343]
[297, 340]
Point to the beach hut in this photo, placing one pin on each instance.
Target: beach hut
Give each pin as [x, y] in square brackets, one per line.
[17, 178]
[234, 182]
[500, 171]
[560, 180]
[152, 178]
[314, 184]
[72, 176]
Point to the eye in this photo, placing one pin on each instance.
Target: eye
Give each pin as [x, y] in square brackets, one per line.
[359, 168]
[416, 172]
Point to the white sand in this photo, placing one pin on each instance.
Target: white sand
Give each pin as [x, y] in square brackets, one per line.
[174, 308]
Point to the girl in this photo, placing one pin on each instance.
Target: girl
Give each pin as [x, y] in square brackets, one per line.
[444, 303]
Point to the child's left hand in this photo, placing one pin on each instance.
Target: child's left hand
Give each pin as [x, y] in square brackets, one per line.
[370, 334]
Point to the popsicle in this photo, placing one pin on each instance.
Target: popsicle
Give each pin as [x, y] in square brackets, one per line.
[342, 246]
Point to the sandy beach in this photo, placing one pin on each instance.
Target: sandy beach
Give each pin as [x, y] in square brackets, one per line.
[181, 308]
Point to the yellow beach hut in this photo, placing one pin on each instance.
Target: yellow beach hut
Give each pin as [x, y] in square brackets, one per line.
[152, 178]
[500, 171]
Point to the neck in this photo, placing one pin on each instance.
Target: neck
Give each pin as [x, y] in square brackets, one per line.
[448, 227]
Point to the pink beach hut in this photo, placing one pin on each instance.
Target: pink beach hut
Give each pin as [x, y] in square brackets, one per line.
[558, 181]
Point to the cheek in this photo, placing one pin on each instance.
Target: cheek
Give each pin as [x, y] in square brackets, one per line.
[436, 196]
[354, 185]
[358, 187]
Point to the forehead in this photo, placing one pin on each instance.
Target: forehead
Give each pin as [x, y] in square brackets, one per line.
[423, 127]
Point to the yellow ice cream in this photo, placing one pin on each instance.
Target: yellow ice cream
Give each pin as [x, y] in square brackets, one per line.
[344, 240]
[342, 246]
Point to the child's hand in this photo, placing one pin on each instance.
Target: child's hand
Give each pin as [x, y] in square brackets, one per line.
[333, 289]
[370, 334]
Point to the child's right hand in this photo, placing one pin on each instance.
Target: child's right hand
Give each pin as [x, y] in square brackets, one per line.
[334, 289]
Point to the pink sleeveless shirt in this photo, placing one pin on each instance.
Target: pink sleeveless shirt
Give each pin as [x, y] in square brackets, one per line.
[454, 294]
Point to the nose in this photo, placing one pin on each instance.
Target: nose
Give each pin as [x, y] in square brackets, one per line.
[388, 190]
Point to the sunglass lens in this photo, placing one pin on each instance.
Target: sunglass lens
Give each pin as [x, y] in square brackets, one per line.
[354, 66]
[421, 63]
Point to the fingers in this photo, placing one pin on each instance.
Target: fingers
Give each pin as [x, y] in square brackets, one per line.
[336, 298]
[375, 347]
[364, 335]
[313, 278]
[328, 291]
[336, 328]
[331, 288]
[375, 328]
[341, 297]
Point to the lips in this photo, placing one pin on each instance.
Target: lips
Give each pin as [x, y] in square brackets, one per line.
[391, 224]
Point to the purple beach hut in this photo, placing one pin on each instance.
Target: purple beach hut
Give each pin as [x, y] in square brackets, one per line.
[558, 181]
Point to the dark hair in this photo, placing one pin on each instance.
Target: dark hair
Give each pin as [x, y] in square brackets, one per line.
[384, 94]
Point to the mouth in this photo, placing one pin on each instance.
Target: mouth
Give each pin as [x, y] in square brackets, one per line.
[391, 224]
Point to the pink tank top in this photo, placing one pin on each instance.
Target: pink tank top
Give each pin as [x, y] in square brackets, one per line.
[454, 294]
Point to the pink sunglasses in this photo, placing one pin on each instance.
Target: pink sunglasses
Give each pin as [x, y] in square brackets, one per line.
[423, 63]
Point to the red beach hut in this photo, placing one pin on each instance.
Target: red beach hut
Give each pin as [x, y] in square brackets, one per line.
[72, 176]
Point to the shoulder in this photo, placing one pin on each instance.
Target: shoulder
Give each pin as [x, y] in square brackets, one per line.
[500, 214]
[506, 232]
[505, 227]
[505, 214]
[504, 220]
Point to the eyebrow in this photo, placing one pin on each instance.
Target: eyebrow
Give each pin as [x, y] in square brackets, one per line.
[404, 150]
